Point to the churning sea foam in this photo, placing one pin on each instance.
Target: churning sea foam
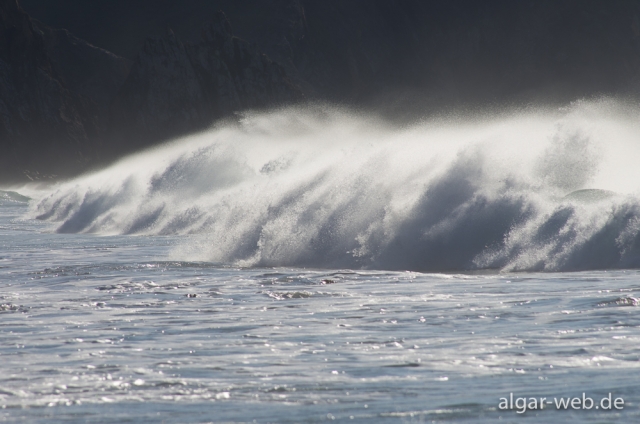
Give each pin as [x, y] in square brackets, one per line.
[324, 187]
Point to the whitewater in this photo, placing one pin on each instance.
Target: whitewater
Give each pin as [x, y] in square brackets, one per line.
[320, 264]
[325, 188]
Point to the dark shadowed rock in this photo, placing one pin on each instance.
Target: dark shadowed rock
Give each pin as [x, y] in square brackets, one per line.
[46, 128]
[174, 88]
[403, 58]
[42, 124]
[162, 95]
[235, 74]
[418, 54]
[426, 55]
[87, 70]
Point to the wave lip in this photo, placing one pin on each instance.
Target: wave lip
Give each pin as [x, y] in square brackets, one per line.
[590, 195]
[13, 196]
[329, 189]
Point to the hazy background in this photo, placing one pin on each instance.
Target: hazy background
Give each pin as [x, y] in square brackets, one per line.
[130, 74]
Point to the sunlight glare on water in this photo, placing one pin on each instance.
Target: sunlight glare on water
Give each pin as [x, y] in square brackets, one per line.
[319, 265]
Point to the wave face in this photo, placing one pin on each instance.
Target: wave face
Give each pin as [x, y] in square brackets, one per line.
[327, 188]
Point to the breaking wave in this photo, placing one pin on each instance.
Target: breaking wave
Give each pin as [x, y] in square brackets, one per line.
[328, 188]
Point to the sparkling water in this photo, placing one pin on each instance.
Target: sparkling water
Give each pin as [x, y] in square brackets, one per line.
[312, 268]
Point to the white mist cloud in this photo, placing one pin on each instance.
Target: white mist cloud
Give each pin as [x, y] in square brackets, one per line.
[323, 187]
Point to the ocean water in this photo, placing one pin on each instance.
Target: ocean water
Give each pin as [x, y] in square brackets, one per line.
[321, 265]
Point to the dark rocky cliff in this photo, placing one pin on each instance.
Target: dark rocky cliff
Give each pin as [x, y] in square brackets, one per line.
[34, 104]
[65, 103]
[52, 109]
[174, 88]
[424, 55]
[373, 52]
[91, 72]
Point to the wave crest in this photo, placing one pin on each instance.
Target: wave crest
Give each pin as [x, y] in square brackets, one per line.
[326, 188]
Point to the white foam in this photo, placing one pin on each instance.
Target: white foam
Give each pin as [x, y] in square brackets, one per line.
[323, 187]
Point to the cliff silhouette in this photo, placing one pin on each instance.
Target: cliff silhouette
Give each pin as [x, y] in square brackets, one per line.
[83, 83]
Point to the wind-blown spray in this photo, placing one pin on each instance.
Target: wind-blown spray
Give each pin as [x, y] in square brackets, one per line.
[322, 187]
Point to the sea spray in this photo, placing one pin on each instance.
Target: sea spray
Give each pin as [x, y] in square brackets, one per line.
[327, 188]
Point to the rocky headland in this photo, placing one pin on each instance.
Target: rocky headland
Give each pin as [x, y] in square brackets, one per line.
[67, 105]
